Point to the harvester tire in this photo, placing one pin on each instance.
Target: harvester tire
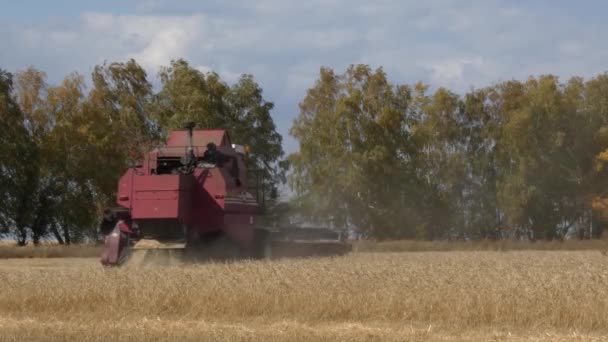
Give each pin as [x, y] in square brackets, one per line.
[125, 252]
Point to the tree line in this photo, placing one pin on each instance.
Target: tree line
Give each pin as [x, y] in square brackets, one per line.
[517, 159]
[63, 147]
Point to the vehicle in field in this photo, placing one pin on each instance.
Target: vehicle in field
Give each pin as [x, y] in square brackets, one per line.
[195, 198]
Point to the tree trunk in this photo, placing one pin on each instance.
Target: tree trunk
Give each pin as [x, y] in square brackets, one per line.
[57, 234]
[66, 235]
[40, 225]
[21, 222]
[37, 230]
[22, 236]
[36, 238]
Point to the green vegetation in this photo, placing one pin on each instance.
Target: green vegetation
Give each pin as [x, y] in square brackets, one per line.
[398, 161]
[382, 160]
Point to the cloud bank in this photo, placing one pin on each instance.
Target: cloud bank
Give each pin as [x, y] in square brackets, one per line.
[457, 44]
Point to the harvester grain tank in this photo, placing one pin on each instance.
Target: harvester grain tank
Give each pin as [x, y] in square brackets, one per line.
[191, 198]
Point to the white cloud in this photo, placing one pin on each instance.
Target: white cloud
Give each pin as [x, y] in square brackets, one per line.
[151, 40]
[203, 68]
[283, 43]
[228, 76]
[452, 71]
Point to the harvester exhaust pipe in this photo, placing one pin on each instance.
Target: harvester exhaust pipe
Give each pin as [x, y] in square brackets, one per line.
[189, 160]
[190, 127]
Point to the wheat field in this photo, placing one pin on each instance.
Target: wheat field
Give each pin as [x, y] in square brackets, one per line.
[364, 296]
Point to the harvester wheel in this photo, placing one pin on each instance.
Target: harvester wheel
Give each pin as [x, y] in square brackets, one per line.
[126, 251]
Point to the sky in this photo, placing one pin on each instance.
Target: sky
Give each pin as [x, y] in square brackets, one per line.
[459, 44]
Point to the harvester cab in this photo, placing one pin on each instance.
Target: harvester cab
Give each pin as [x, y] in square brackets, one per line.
[190, 198]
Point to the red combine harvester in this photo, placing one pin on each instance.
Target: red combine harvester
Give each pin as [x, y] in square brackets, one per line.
[191, 198]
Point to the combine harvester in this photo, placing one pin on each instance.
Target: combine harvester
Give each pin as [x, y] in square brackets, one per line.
[190, 199]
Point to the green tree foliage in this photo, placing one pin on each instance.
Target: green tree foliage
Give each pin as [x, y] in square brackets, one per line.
[393, 161]
[118, 128]
[51, 190]
[15, 150]
[383, 160]
[356, 152]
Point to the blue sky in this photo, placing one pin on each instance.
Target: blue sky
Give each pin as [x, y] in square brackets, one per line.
[454, 43]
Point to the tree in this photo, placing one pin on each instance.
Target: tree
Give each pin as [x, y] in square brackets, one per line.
[545, 153]
[354, 168]
[118, 124]
[68, 200]
[52, 190]
[479, 134]
[595, 104]
[190, 95]
[30, 91]
[59, 186]
[516, 157]
[15, 152]
[382, 160]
